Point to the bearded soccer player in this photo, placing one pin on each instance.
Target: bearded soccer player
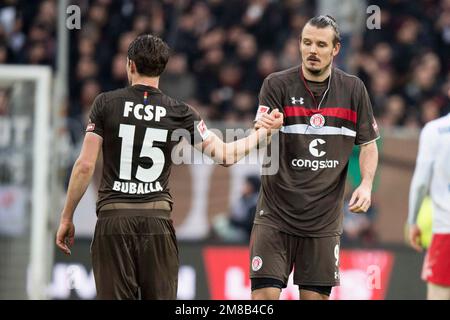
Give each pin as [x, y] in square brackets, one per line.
[299, 215]
[134, 250]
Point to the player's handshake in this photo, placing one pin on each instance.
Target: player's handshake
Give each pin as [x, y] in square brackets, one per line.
[274, 120]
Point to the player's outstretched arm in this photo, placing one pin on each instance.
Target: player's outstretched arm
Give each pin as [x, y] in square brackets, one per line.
[368, 161]
[227, 154]
[82, 172]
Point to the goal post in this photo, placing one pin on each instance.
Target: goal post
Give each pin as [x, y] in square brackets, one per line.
[21, 81]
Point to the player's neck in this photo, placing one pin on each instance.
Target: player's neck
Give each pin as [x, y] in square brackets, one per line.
[316, 78]
[146, 81]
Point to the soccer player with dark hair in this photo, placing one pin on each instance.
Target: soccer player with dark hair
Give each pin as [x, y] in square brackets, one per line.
[299, 216]
[134, 250]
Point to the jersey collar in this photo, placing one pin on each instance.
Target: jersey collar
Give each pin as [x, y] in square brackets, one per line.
[143, 87]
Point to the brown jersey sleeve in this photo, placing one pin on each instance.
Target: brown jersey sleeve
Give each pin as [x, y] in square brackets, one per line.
[270, 97]
[366, 126]
[195, 125]
[96, 119]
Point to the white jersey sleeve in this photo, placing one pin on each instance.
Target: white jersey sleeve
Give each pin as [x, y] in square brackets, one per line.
[421, 180]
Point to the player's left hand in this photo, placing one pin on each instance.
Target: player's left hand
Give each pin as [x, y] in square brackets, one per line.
[414, 237]
[65, 236]
[360, 200]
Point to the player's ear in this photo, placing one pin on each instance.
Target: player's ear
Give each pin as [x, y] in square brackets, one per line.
[133, 66]
[336, 49]
[128, 66]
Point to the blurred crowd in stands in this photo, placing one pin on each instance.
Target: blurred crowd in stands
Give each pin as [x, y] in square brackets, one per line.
[223, 49]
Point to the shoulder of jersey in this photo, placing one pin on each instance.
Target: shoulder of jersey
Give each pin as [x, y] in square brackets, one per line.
[174, 102]
[342, 75]
[178, 106]
[117, 93]
[434, 124]
[284, 77]
[283, 74]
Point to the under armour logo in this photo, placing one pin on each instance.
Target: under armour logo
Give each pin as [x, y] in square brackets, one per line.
[297, 101]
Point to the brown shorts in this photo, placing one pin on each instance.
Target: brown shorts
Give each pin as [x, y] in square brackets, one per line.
[273, 254]
[135, 254]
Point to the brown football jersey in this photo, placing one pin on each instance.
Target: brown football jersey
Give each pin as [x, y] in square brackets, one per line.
[137, 125]
[305, 196]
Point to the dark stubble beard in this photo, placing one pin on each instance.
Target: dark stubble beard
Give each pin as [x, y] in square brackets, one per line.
[318, 72]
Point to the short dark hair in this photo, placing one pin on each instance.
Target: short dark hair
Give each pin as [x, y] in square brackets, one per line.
[324, 21]
[150, 54]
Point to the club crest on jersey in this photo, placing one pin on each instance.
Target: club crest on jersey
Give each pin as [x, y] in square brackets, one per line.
[294, 100]
[256, 263]
[317, 121]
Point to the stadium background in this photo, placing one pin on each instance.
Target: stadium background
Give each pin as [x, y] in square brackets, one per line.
[222, 50]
